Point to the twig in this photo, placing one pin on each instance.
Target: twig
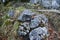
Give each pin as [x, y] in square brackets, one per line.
[43, 10]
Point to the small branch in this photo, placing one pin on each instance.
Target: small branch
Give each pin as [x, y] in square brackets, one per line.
[56, 11]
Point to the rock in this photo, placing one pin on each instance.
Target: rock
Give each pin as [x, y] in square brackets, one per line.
[38, 33]
[51, 4]
[46, 3]
[23, 29]
[58, 1]
[44, 18]
[55, 4]
[35, 1]
[26, 15]
[35, 22]
[26, 25]
[3, 1]
[33, 35]
[11, 13]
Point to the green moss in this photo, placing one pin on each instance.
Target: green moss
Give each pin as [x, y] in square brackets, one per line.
[21, 8]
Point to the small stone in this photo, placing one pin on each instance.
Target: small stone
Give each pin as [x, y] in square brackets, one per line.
[23, 29]
[11, 13]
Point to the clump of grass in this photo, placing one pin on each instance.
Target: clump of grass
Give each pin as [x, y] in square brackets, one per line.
[21, 8]
[54, 19]
[8, 28]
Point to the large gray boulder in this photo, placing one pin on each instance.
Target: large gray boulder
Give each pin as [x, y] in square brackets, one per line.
[38, 33]
[26, 15]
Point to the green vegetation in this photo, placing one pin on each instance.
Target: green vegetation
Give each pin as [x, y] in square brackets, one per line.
[8, 26]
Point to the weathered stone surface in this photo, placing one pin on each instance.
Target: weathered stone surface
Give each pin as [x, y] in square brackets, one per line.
[23, 29]
[26, 25]
[32, 28]
[55, 4]
[46, 3]
[51, 4]
[35, 1]
[11, 13]
[38, 33]
[3, 1]
[20, 31]
[58, 1]
[43, 18]
[33, 35]
[26, 15]
[35, 22]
